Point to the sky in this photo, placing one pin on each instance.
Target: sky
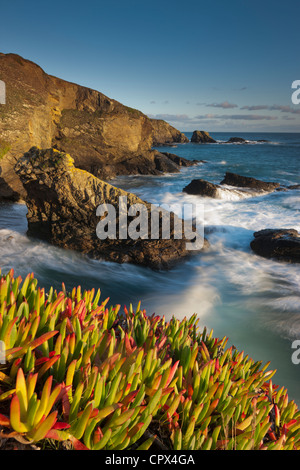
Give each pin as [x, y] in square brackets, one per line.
[208, 65]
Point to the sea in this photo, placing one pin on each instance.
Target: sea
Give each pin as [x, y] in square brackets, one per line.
[253, 301]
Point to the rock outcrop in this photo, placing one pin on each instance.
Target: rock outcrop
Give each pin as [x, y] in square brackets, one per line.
[202, 137]
[239, 186]
[202, 187]
[62, 203]
[233, 179]
[236, 140]
[103, 136]
[280, 244]
[164, 133]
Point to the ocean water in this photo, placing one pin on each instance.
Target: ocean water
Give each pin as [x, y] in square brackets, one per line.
[253, 301]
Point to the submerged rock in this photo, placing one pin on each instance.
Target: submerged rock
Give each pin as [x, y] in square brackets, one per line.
[62, 202]
[281, 244]
[202, 137]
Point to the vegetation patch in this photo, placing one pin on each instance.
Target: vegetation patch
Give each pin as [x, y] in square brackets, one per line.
[81, 374]
[4, 148]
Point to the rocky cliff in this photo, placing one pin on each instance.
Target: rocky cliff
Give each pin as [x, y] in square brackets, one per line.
[62, 203]
[103, 136]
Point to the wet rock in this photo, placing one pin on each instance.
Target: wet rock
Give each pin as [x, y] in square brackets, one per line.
[202, 187]
[233, 179]
[280, 244]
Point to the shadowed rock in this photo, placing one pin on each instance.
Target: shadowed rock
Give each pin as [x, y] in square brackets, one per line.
[281, 244]
[236, 185]
[232, 179]
[201, 187]
[62, 201]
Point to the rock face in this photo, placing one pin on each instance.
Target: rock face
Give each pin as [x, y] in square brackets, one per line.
[103, 136]
[281, 244]
[232, 179]
[163, 133]
[202, 137]
[62, 201]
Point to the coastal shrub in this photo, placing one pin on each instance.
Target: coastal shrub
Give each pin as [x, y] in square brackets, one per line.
[81, 374]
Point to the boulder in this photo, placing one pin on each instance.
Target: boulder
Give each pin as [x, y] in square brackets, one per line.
[280, 244]
[203, 188]
[62, 203]
[233, 179]
[202, 137]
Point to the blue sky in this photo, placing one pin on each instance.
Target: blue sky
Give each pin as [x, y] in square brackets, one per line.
[212, 65]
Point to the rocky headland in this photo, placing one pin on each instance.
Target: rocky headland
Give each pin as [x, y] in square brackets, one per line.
[103, 136]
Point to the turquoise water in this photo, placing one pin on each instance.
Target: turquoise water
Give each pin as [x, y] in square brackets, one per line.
[253, 301]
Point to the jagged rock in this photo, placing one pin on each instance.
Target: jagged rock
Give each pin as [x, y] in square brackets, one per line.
[180, 161]
[281, 244]
[202, 137]
[62, 201]
[102, 135]
[164, 133]
[233, 179]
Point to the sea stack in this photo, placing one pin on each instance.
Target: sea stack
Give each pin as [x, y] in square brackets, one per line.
[202, 137]
[62, 203]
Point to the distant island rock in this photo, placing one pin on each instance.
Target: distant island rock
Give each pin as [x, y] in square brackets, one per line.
[236, 140]
[241, 140]
[103, 136]
[202, 137]
[280, 244]
[62, 201]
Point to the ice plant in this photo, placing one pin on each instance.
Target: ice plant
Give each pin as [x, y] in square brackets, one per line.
[82, 371]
